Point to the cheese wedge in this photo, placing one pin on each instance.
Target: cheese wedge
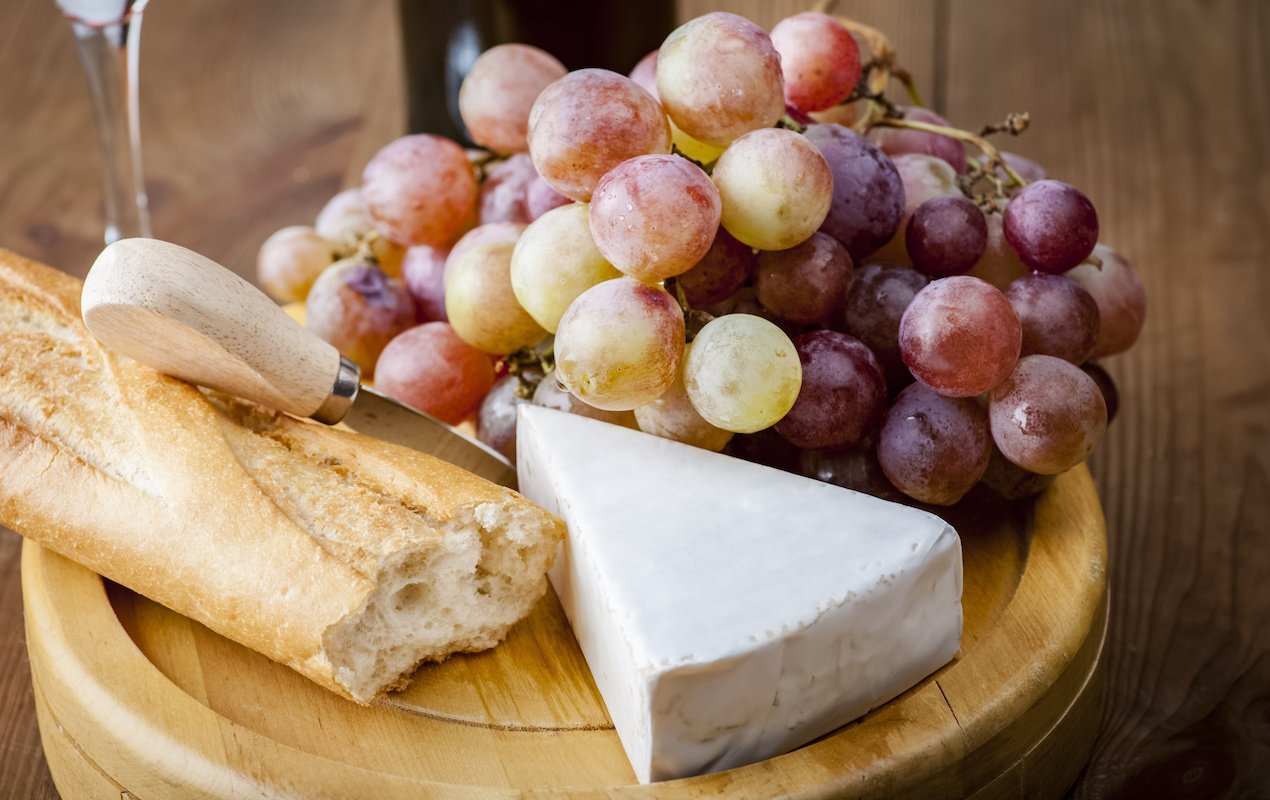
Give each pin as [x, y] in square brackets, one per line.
[728, 611]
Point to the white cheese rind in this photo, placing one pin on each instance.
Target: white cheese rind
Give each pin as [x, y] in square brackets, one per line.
[730, 612]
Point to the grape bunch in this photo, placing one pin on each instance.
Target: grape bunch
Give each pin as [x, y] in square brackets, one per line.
[744, 245]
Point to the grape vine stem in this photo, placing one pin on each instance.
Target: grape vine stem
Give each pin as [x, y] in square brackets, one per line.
[988, 149]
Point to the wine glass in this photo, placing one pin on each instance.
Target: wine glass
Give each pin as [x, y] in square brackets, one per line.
[107, 35]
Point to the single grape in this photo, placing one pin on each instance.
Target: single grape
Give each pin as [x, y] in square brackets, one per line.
[672, 416]
[1028, 169]
[505, 190]
[358, 308]
[820, 61]
[430, 368]
[843, 394]
[344, 220]
[420, 189]
[550, 394]
[588, 122]
[924, 178]
[776, 188]
[490, 233]
[1051, 225]
[1047, 416]
[946, 236]
[496, 418]
[541, 198]
[765, 447]
[720, 273]
[868, 194]
[742, 373]
[1121, 299]
[1012, 482]
[654, 217]
[290, 261]
[424, 274]
[1110, 394]
[500, 89]
[999, 265]
[855, 467]
[897, 141]
[555, 261]
[481, 304]
[1058, 316]
[934, 448]
[875, 305]
[960, 336]
[718, 77]
[619, 344]
[807, 283]
[645, 74]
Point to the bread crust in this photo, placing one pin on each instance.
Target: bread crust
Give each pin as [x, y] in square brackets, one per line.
[162, 489]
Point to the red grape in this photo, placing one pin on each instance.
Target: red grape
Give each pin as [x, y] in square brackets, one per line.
[355, 306]
[807, 283]
[1122, 302]
[934, 448]
[424, 274]
[1051, 225]
[875, 305]
[1058, 316]
[960, 336]
[843, 393]
[420, 189]
[720, 273]
[496, 418]
[946, 236]
[430, 368]
[504, 194]
[645, 74]
[1047, 416]
[868, 195]
[819, 60]
[541, 198]
[500, 89]
[896, 141]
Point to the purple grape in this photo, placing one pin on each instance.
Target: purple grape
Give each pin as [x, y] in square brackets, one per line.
[1058, 316]
[853, 468]
[875, 305]
[720, 274]
[1048, 415]
[1121, 299]
[843, 393]
[496, 418]
[1051, 225]
[1110, 394]
[1010, 481]
[934, 448]
[946, 236]
[868, 195]
[807, 283]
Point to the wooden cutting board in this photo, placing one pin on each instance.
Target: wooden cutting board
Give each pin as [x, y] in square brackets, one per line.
[135, 701]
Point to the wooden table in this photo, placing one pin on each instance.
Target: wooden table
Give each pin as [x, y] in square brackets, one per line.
[255, 113]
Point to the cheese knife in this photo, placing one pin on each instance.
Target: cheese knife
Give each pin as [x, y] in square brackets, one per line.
[189, 317]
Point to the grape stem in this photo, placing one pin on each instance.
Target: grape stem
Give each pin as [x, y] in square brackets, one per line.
[988, 149]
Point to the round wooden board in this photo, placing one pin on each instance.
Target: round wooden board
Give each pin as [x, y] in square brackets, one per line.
[136, 701]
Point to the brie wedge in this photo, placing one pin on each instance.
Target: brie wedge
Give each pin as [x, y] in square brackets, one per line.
[728, 611]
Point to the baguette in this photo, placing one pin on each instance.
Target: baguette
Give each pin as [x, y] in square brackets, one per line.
[349, 559]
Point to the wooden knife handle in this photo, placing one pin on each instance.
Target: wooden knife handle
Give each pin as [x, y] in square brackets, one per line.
[193, 319]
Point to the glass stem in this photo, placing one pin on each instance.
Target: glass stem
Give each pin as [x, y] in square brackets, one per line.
[109, 53]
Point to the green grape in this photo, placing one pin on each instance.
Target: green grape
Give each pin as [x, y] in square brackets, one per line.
[742, 373]
[556, 260]
[481, 304]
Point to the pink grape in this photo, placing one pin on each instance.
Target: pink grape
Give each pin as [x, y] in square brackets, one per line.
[946, 236]
[344, 219]
[843, 393]
[776, 188]
[820, 61]
[923, 178]
[807, 283]
[588, 122]
[645, 74]
[1028, 169]
[499, 91]
[549, 394]
[490, 233]
[420, 189]
[1010, 481]
[934, 448]
[720, 273]
[358, 308]
[672, 416]
[960, 336]
[1110, 394]
[496, 418]
[1051, 225]
[855, 467]
[896, 141]
[541, 198]
[868, 195]
[1059, 317]
[505, 191]
[1047, 416]
[719, 77]
[1121, 299]
[430, 368]
[424, 274]
[290, 261]
[876, 303]
[999, 265]
[654, 217]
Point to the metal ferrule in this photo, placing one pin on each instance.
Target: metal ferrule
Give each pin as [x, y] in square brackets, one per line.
[340, 400]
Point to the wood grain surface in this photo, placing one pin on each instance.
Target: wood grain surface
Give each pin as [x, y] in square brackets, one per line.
[255, 113]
